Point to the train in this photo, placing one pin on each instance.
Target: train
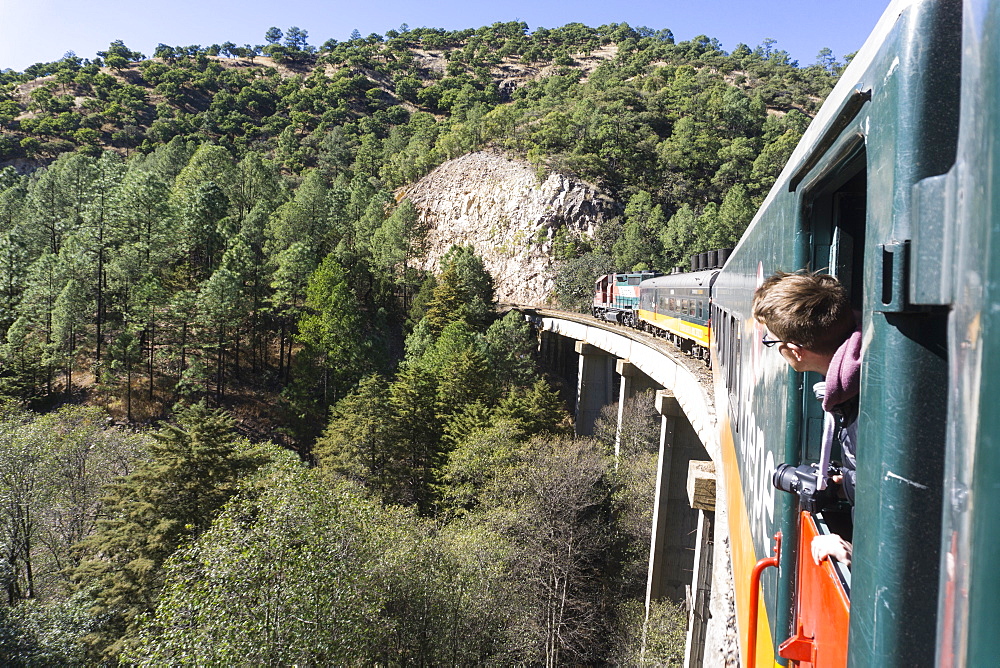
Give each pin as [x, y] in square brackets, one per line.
[895, 189]
[674, 306]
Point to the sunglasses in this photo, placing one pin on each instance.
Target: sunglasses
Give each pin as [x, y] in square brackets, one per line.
[769, 342]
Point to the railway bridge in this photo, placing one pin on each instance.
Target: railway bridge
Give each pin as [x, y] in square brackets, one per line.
[689, 555]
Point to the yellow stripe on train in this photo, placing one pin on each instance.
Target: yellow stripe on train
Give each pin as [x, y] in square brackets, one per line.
[688, 330]
[743, 556]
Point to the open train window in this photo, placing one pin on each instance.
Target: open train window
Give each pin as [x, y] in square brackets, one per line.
[834, 219]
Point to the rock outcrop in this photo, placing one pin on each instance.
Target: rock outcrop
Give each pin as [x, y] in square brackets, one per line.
[498, 206]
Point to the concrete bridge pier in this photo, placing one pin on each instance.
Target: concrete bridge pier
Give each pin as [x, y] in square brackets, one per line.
[595, 388]
[674, 540]
[557, 355]
[633, 381]
[701, 496]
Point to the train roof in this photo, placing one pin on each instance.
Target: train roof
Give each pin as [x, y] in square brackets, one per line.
[619, 275]
[691, 279]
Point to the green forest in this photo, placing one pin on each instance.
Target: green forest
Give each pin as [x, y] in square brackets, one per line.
[239, 427]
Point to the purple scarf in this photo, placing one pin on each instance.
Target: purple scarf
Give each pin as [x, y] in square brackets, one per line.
[843, 378]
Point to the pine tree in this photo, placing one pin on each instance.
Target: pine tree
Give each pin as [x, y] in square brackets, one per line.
[510, 346]
[69, 314]
[680, 237]
[638, 248]
[398, 241]
[304, 219]
[464, 290]
[225, 307]
[357, 440]
[34, 319]
[417, 431]
[55, 202]
[535, 410]
[335, 353]
[192, 469]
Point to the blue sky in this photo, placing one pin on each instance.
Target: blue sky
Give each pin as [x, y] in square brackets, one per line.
[43, 30]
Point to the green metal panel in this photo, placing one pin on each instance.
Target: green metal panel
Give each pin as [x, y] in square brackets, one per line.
[904, 377]
[970, 605]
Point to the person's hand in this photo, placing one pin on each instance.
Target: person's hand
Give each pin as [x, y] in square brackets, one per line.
[831, 545]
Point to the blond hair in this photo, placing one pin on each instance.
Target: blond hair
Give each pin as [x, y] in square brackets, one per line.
[808, 309]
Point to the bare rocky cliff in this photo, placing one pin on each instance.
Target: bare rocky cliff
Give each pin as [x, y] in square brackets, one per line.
[498, 206]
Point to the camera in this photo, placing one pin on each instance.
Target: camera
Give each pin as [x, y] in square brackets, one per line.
[803, 480]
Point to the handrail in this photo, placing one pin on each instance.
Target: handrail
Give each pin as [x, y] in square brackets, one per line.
[758, 569]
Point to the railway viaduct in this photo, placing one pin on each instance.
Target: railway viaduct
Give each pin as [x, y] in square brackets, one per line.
[689, 548]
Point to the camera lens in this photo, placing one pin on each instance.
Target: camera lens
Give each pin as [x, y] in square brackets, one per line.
[785, 478]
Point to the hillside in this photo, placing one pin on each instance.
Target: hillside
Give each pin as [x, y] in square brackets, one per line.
[161, 218]
[131, 102]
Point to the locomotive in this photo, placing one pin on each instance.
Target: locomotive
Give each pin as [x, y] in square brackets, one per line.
[674, 306]
[895, 189]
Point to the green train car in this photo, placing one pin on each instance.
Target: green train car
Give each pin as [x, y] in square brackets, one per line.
[895, 188]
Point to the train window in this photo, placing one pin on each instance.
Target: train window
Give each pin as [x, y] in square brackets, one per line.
[734, 358]
[738, 356]
[835, 219]
[719, 336]
[634, 280]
